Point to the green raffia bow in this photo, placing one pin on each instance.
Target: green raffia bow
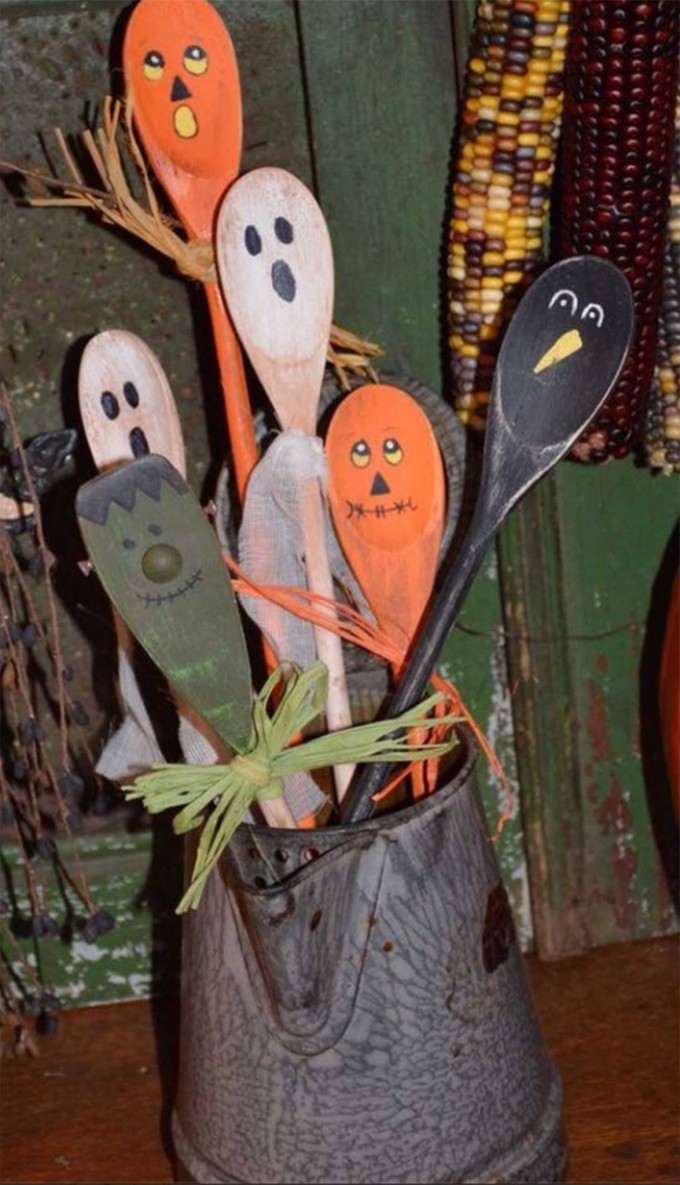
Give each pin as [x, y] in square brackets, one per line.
[227, 791]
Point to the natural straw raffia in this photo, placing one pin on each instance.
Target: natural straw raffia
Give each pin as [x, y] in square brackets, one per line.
[116, 204]
[217, 797]
[355, 629]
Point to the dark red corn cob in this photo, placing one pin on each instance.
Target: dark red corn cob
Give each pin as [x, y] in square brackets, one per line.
[617, 150]
[662, 424]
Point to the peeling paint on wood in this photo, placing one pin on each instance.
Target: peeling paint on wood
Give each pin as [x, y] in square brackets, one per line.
[140, 956]
[579, 561]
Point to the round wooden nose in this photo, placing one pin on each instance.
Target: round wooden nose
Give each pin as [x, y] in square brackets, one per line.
[161, 562]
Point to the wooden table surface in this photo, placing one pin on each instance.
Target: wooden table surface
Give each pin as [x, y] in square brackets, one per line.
[94, 1106]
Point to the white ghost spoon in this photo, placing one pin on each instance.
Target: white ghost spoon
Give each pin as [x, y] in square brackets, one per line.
[275, 263]
[128, 410]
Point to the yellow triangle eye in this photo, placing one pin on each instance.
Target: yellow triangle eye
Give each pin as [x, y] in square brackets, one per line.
[195, 59]
[360, 454]
[154, 65]
[392, 451]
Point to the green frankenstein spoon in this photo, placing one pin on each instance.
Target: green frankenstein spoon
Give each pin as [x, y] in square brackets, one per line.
[160, 563]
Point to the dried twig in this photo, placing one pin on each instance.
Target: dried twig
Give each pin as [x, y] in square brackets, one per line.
[116, 205]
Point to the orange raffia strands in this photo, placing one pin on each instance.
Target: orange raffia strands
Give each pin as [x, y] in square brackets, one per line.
[355, 629]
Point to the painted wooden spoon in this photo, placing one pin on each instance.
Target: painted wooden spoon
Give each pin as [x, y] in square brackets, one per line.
[275, 262]
[126, 404]
[387, 495]
[159, 561]
[128, 410]
[561, 355]
[183, 86]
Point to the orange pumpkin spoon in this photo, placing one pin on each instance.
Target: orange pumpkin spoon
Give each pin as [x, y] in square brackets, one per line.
[183, 87]
[387, 495]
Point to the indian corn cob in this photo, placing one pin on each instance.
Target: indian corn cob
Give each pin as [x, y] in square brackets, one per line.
[508, 138]
[662, 427]
[617, 142]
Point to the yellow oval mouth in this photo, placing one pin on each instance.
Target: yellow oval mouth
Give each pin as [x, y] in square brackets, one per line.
[185, 122]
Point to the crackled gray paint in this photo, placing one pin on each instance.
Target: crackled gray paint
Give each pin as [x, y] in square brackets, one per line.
[343, 1025]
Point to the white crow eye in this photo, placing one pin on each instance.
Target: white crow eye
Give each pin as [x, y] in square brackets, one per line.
[565, 299]
[593, 312]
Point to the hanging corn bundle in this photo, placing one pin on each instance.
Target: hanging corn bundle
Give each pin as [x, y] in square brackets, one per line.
[509, 131]
[620, 85]
[662, 426]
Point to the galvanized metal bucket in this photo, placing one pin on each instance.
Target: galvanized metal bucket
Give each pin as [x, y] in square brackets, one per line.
[355, 1009]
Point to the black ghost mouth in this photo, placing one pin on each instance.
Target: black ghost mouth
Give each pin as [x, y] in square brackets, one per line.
[139, 444]
[360, 510]
[157, 599]
[283, 281]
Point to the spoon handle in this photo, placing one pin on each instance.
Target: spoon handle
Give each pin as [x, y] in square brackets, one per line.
[240, 428]
[328, 644]
[443, 612]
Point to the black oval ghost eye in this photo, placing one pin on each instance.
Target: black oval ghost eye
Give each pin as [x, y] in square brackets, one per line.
[360, 454]
[138, 443]
[110, 405]
[392, 451]
[283, 230]
[154, 64]
[131, 394]
[252, 240]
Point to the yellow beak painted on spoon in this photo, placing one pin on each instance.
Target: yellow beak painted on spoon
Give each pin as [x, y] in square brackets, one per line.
[567, 344]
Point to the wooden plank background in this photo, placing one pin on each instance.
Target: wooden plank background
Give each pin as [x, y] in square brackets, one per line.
[358, 98]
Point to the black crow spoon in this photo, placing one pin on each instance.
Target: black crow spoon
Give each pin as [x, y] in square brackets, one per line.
[561, 356]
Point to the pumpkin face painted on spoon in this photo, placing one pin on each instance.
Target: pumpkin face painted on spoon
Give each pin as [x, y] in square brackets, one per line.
[384, 464]
[387, 498]
[182, 80]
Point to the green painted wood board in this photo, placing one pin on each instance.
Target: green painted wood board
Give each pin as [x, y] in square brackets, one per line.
[615, 525]
[138, 877]
[579, 561]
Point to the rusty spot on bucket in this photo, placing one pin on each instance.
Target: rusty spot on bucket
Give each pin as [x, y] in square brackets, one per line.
[499, 929]
[315, 919]
[275, 919]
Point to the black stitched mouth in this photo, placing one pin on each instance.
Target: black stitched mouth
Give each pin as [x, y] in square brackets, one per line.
[159, 598]
[360, 510]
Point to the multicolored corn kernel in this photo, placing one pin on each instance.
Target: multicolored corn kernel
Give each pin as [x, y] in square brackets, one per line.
[617, 146]
[662, 423]
[508, 136]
